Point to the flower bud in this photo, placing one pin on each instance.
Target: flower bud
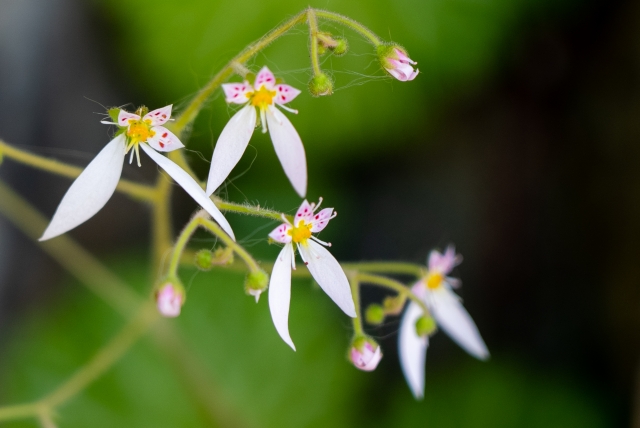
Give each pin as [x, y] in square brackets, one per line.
[393, 305]
[341, 48]
[322, 49]
[256, 283]
[113, 114]
[204, 260]
[374, 314]
[425, 326]
[365, 353]
[396, 62]
[170, 297]
[320, 85]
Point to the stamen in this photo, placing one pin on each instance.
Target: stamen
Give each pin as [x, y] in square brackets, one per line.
[302, 255]
[293, 258]
[289, 109]
[326, 244]
[286, 220]
[263, 119]
[137, 154]
[130, 156]
[315, 207]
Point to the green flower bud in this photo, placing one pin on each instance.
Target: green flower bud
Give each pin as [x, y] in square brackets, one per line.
[251, 78]
[393, 305]
[425, 326]
[364, 353]
[321, 49]
[256, 283]
[341, 48]
[374, 314]
[203, 260]
[320, 85]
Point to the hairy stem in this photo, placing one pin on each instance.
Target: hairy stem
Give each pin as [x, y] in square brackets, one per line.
[350, 23]
[355, 293]
[400, 268]
[394, 285]
[313, 41]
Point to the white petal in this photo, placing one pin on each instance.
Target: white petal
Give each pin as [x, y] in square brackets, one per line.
[285, 93]
[412, 350]
[159, 116]
[289, 149]
[124, 117]
[321, 220]
[265, 78]
[164, 140]
[230, 146]
[453, 318]
[305, 212]
[280, 293]
[90, 191]
[190, 186]
[281, 234]
[328, 273]
[236, 93]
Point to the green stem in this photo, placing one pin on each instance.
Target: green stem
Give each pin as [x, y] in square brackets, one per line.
[249, 210]
[394, 285]
[350, 23]
[134, 190]
[239, 250]
[401, 268]
[194, 107]
[313, 42]
[355, 293]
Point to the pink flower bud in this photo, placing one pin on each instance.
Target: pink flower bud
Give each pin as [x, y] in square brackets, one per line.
[365, 357]
[170, 299]
[397, 63]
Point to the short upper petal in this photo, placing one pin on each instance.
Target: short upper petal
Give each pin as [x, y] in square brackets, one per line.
[190, 186]
[164, 140]
[305, 212]
[265, 78]
[328, 273]
[90, 191]
[444, 263]
[280, 293]
[453, 318]
[159, 116]
[281, 234]
[236, 93]
[321, 219]
[230, 146]
[124, 117]
[412, 350]
[285, 93]
[289, 149]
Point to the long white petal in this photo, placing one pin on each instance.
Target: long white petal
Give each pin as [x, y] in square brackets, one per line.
[280, 293]
[289, 149]
[328, 273]
[453, 318]
[230, 146]
[190, 186]
[412, 350]
[90, 191]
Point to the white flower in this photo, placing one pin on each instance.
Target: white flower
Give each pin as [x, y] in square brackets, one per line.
[365, 355]
[324, 268]
[398, 64]
[449, 314]
[95, 185]
[169, 300]
[235, 136]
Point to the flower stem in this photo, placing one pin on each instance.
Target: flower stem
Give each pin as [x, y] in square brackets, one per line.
[313, 41]
[134, 190]
[394, 285]
[350, 23]
[401, 268]
[248, 209]
[355, 293]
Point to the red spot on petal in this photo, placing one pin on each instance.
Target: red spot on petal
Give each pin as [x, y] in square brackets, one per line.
[164, 116]
[165, 135]
[161, 145]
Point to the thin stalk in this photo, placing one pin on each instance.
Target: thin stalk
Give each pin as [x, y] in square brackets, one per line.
[350, 23]
[238, 249]
[400, 268]
[248, 210]
[355, 293]
[134, 190]
[394, 285]
[313, 42]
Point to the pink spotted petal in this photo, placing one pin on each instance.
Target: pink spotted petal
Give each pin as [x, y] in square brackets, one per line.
[265, 78]
[285, 94]
[236, 93]
[159, 116]
[164, 140]
[124, 117]
[281, 234]
[321, 219]
[444, 263]
[305, 212]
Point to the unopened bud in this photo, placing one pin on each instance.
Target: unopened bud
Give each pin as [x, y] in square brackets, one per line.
[341, 48]
[256, 283]
[395, 60]
[425, 326]
[365, 353]
[322, 49]
[320, 85]
[203, 260]
[374, 314]
[393, 305]
[170, 297]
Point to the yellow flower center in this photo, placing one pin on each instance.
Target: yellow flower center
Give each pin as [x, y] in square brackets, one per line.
[300, 233]
[139, 131]
[434, 280]
[262, 97]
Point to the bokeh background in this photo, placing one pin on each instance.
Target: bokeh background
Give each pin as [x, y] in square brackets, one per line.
[518, 141]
